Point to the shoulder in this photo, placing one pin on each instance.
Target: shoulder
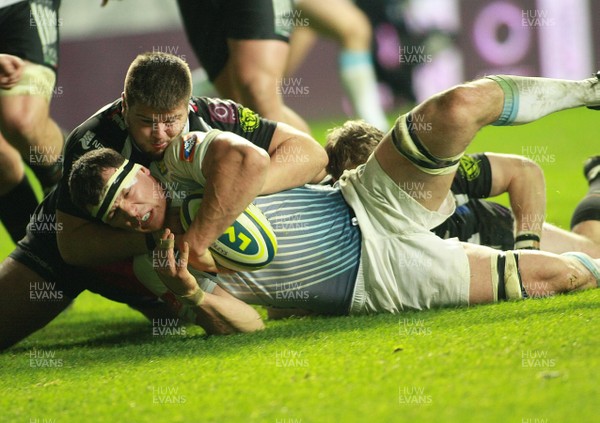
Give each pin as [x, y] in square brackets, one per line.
[106, 128]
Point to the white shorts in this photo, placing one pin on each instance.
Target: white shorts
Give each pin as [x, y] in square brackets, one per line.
[403, 264]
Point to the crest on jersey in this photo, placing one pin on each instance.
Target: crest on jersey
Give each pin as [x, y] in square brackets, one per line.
[222, 112]
[187, 149]
[248, 119]
[469, 168]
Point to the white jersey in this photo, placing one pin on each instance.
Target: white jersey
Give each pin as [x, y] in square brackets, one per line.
[318, 253]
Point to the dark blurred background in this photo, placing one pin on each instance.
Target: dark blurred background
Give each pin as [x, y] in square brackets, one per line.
[420, 47]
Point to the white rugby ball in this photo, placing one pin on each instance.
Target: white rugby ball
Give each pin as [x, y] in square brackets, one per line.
[248, 244]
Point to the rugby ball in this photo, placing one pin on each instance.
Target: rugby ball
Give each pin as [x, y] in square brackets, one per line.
[248, 244]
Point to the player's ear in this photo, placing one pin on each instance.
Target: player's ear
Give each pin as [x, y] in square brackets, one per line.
[123, 102]
[145, 170]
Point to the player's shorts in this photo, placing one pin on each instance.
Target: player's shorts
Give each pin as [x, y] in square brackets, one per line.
[115, 282]
[480, 222]
[209, 23]
[403, 264]
[29, 30]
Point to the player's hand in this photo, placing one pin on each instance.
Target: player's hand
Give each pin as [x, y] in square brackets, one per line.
[172, 268]
[203, 260]
[11, 69]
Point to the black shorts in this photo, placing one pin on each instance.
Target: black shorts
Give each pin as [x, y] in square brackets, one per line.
[209, 23]
[29, 30]
[115, 282]
[482, 222]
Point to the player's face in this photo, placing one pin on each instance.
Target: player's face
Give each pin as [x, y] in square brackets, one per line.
[141, 206]
[154, 130]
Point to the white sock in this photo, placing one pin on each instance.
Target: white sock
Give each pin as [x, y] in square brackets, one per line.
[359, 82]
[527, 99]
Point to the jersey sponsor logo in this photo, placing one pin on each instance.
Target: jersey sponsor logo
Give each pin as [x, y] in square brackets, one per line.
[249, 120]
[162, 167]
[222, 112]
[187, 149]
[469, 168]
[117, 118]
[88, 141]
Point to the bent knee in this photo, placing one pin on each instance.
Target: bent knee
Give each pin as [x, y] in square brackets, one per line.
[21, 124]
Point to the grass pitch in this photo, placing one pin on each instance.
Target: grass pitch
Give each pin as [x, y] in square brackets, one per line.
[528, 361]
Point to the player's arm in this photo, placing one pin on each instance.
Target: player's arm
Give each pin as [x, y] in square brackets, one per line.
[232, 171]
[296, 159]
[83, 242]
[524, 182]
[219, 312]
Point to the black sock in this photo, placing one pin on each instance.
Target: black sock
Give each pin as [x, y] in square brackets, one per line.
[16, 207]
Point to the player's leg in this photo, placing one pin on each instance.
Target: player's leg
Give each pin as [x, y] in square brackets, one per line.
[424, 148]
[255, 70]
[30, 31]
[434, 135]
[301, 42]
[558, 241]
[22, 309]
[586, 217]
[26, 123]
[513, 275]
[17, 199]
[350, 27]
[257, 35]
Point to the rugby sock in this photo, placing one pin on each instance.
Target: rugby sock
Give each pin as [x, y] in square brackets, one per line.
[588, 262]
[527, 98]
[16, 207]
[360, 84]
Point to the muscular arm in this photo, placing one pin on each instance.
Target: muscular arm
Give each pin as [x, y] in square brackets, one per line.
[235, 171]
[296, 159]
[524, 182]
[85, 243]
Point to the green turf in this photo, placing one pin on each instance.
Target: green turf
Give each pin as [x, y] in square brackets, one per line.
[529, 361]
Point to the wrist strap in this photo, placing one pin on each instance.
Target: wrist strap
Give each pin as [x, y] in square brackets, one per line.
[193, 299]
[527, 241]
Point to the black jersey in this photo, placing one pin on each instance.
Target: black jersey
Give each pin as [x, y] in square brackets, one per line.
[477, 220]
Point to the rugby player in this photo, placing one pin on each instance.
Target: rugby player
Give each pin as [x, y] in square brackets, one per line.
[28, 65]
[65, 247]
[366, 246]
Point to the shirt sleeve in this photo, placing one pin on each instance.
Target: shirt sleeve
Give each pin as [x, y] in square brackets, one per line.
[473, 177]
[230, 116]
[183, 158]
